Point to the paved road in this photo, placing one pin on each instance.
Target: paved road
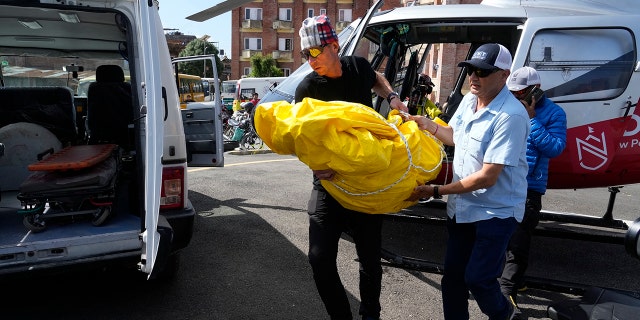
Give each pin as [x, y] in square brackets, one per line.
[247, 259]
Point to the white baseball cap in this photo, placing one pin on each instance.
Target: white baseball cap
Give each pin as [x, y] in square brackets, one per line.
[522, 78]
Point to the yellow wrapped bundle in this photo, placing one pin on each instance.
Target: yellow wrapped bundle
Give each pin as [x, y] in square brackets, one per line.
[378, 161]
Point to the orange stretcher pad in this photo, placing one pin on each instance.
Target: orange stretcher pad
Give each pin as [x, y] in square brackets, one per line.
[74, 158]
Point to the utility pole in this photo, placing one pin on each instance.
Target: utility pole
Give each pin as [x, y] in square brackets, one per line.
[204, 52]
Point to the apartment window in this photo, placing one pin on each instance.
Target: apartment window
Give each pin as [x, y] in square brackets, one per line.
[253, 13]
[285, 71]
[285, 44]
[323, 11]
[252, 43]
[246, 71]
[344, 15]
[310, 13]
[284, 14]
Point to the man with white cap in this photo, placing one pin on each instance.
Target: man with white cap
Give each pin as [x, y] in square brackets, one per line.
[351, 79]
[547, 139]
[487, 194]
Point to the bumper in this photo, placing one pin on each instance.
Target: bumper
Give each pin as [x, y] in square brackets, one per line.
[181, 222]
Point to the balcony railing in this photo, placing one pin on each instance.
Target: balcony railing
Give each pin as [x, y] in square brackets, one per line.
[282, 25]
[247, 53]
[252, 24]
[281, 55]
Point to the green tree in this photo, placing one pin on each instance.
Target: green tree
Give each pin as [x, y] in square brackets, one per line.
[200, 47]
[264, 66]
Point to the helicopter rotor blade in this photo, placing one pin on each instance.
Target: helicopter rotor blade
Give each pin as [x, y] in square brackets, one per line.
[217, 10]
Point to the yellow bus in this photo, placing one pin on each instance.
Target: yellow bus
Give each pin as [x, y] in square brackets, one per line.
[190, 89]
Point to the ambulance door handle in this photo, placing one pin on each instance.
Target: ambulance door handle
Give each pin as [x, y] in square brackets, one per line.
[166, 106]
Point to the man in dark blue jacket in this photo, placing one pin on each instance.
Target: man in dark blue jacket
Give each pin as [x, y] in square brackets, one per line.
[547, 139]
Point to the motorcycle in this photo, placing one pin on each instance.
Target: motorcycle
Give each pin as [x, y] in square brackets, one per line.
[240, 128]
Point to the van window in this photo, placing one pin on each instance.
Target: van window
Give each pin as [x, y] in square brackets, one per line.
[229, 86]
[246, 94]
[601, 72]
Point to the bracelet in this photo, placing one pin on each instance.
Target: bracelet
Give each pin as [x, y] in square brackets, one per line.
[437, 127]
[391, 96]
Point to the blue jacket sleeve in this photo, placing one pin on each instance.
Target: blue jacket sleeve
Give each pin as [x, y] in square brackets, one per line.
[549, 130]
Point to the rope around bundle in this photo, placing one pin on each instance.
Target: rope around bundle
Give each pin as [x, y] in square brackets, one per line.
[366, 151]
[409, 156]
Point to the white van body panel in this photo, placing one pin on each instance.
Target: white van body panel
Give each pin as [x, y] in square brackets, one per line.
[202, 122]
[148, 228]
[150, 23]
[245, 87]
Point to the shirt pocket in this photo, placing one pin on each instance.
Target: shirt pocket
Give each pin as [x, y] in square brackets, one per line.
[477, 142]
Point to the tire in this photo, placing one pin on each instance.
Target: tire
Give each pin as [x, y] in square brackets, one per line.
[230, 145]
[227, 132]
[251, 141]
[102, 216]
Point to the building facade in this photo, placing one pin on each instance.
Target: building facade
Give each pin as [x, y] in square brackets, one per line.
[270, 28]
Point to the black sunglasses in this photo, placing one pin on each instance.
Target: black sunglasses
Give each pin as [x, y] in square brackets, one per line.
[481, 73]
[312, 52]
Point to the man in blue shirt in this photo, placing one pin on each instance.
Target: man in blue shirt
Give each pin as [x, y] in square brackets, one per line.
[487, 195]
[548, 139]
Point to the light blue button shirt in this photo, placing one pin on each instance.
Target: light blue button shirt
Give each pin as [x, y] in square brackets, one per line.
[496, 134]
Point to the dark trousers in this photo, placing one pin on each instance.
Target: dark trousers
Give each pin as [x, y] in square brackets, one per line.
[517, 259]
[473, 262]
[327, 220]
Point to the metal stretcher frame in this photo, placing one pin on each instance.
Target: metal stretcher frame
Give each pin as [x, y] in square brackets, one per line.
[77, 180]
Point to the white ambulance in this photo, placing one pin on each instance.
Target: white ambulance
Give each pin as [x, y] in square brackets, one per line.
[96, 177]
[246, 87]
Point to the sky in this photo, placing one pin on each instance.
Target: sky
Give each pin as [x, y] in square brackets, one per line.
[173, 14]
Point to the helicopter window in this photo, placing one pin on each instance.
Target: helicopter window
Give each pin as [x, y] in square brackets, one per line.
[599, 74]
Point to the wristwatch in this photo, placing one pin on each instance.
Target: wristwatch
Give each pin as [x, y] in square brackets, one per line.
[391, 95]
[436, 192]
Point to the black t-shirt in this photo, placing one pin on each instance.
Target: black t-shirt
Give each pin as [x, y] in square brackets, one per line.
[353, 86]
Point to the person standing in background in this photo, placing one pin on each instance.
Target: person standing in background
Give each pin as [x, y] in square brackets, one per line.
[547, 140]
[255, 99]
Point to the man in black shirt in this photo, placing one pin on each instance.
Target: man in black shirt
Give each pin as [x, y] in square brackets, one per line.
[345, 79]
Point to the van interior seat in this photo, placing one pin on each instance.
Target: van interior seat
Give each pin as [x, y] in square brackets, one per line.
[34, 122]
[109, 107]
[49, 107]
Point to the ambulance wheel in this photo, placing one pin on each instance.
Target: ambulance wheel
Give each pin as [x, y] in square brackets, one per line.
[102, 216]
[32, 224]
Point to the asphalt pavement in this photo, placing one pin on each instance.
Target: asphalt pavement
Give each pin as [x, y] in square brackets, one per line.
[247, 258]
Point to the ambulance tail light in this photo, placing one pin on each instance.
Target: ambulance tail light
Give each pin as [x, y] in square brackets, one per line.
[172, 191]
